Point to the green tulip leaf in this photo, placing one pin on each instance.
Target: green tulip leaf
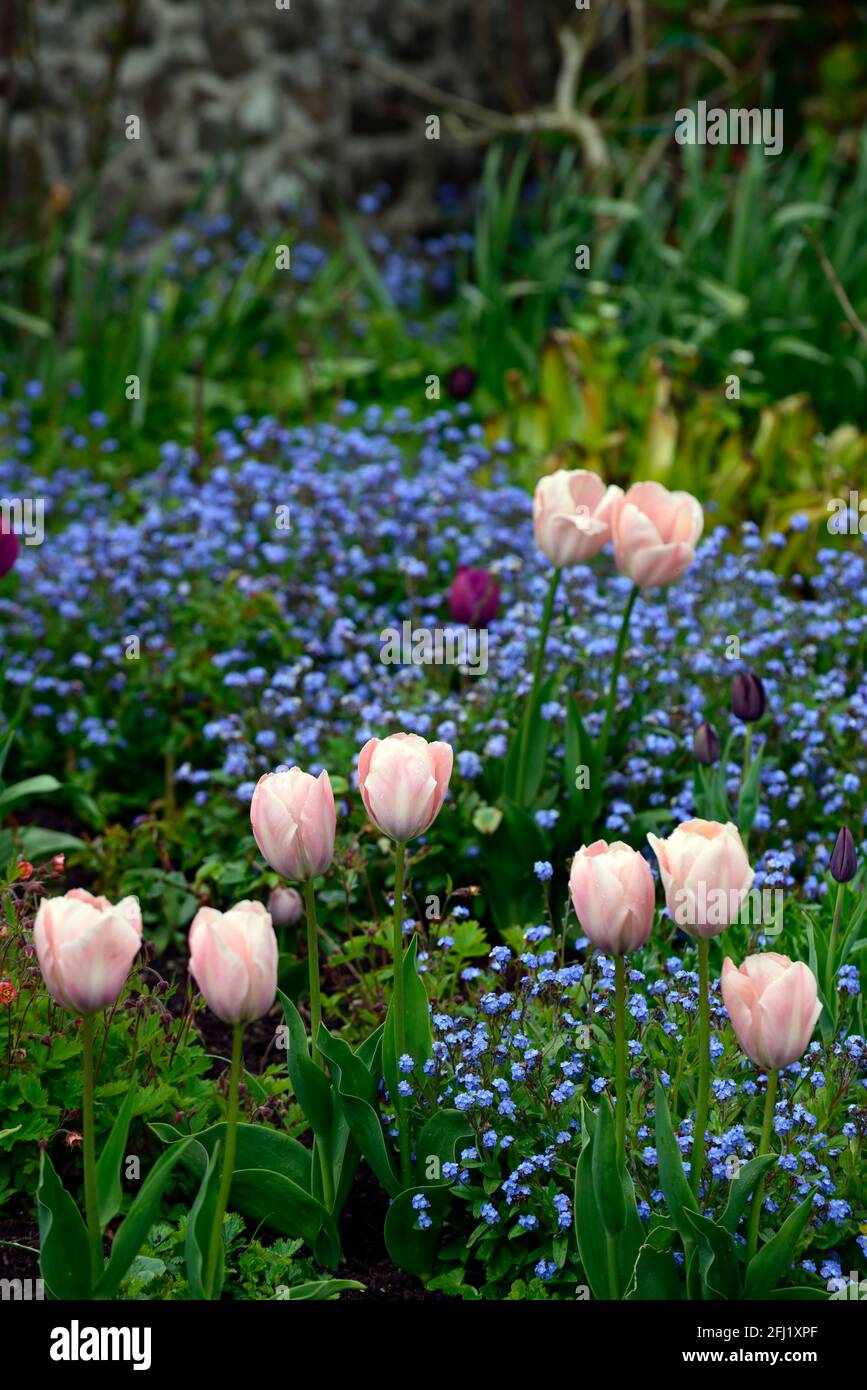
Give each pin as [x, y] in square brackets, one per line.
[742, 1189]
[64, 1249]
[717, 1257]
[777, 1255]
[672, 1179]
[356, 1094]
[138, 1221]
[110, 1164]
[607, 1179]
[418, 1041]
[200, 1231]
[410, 1248]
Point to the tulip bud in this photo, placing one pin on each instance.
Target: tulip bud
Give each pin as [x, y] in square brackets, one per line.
[844, 860]
[613, 895]
[294, 822]
[706, 875]
[474, 597]
[774, 1006]
[705, 744]
[461, 382]
[748, 697]
[285, 906]
[86, 948]
[233, 960]
[403, 781]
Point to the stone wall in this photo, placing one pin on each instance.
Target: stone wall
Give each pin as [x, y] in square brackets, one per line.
[295, 101]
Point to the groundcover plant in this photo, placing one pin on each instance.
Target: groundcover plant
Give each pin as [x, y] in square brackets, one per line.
[434, 709]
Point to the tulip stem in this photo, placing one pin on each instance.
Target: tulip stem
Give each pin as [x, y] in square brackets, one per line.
[313, 971]
[615, 674]
[91, 1197]
[701, 1100]
[620, 1056]
[399, 1007]
[530, 712]
[748, 757]
[315, 1022]
[613, 1274]
[764, 1147]
[228, 1158]
[832, 946]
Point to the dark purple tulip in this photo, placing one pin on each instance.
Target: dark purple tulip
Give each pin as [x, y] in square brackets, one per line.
[705, 744]
[748, 697]
[844, 860]
[474, 597]
[8, 551]
[461, 382]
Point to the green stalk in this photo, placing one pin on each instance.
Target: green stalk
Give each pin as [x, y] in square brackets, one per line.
[91, 1197]
[748, 757]
[701, 1100]
[764, 1147]
[228, 1157]
[530, 712]
[313, 970]
[400, 1005]
[315, 1021]
[620, 1056]
[832, 946]
[613, 1275]
[615, 673]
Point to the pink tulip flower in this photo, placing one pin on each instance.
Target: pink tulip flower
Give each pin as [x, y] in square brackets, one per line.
[655, 533]
[233, 960]
[614, 896]
[773, 1005]
[85, 947]
[572, 515]
[403, 780]
[705, 873]
[294, 822]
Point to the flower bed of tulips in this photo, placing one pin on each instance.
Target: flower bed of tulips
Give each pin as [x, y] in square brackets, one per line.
[561, 958]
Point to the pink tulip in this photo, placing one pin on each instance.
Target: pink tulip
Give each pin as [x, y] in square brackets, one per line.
[705, 873]
[86, 947]
[233, 960]
[773, 1005]
[572, 515]
[294, 822]
[655, 533]
[403, 780]
[614, 896]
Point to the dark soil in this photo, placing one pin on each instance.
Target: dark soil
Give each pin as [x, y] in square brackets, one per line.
[365, 1256]
[16, 1263]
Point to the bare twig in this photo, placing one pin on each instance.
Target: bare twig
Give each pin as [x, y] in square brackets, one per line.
[834, 281]
[562, 117]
